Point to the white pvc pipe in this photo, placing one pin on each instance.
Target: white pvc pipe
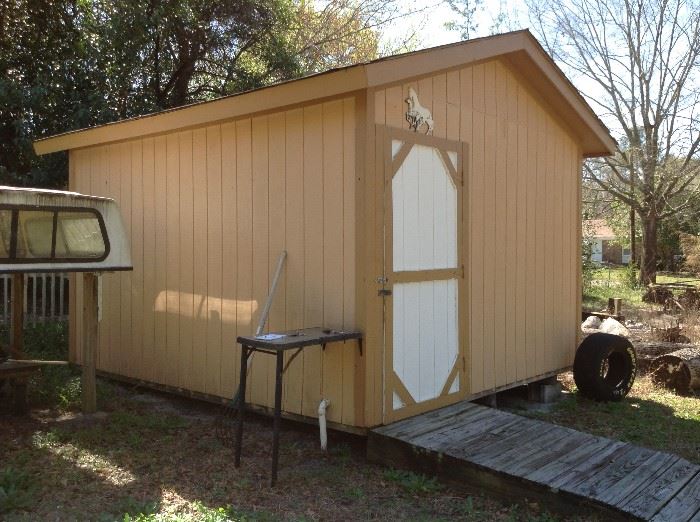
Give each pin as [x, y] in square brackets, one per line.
[322, 423]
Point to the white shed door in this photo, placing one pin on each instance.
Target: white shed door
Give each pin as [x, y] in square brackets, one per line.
[424, 274]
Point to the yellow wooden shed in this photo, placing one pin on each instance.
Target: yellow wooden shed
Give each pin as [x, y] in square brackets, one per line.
[430, 200]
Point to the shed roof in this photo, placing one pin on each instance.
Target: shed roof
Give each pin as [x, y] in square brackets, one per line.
[519, 48]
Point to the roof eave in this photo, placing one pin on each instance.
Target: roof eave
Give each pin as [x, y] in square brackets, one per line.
[595, 137]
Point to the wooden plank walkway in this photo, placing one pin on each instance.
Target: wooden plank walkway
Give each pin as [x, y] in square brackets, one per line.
[517, 457]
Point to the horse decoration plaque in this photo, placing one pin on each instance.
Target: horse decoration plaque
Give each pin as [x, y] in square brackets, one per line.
[417, 116]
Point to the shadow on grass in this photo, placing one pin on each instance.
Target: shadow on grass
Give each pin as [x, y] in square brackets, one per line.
[665, 422]
[123, 462]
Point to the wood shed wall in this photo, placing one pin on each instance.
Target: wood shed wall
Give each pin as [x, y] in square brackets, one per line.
[521, 219]
[208, 212]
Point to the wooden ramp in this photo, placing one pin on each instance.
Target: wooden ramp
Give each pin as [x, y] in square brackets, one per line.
[517, 457]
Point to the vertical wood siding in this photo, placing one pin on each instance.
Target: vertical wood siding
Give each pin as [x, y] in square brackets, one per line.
[521, 217]
[208, 212]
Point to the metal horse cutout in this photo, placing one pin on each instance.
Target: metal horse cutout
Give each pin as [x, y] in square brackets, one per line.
[417, 115]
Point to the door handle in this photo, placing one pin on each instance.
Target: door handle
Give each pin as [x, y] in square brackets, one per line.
[384, 292]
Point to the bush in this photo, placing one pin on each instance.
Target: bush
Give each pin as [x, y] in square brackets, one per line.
[630, 277]
[588, 266]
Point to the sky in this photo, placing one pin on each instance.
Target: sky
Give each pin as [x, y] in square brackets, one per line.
[436, 13]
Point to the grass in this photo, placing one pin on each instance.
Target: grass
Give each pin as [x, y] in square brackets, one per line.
[154, 458]
[616, 282]
[649, 416]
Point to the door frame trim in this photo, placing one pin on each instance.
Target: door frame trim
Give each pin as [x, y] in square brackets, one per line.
[460, 178]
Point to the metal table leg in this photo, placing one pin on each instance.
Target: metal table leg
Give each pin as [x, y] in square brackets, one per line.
[241, 404]
[278, 414]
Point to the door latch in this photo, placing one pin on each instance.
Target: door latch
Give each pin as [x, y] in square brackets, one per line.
[384, 292]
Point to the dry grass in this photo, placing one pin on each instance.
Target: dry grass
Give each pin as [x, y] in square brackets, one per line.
[160, 458]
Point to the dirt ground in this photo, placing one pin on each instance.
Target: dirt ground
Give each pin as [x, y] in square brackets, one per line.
[159, 456]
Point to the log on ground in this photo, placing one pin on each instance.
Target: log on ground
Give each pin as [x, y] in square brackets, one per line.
[679, 370]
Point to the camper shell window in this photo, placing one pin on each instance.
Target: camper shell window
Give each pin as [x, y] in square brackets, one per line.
[52, 234]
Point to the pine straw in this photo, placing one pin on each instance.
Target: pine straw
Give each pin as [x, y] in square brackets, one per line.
[162, 456]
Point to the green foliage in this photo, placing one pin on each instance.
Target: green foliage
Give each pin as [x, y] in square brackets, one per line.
[66, 65]
[16, 490]
[588, 266]
[414, 483]
[630, 276]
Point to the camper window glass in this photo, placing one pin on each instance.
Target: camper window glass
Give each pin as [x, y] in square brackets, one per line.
[34, 234]
[52, 234]
[5, 233]
[79, 235]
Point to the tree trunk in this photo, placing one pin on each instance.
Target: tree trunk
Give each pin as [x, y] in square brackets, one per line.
[633, 235]
[647, 272]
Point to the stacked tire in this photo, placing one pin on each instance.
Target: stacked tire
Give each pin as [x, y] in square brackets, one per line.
[605, 367]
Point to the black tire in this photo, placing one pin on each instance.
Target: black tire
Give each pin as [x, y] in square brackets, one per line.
[605, 367]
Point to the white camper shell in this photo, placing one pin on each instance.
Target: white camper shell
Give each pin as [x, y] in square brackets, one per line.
[58, 231]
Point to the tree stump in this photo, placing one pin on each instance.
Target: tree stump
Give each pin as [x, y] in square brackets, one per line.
[679, 370]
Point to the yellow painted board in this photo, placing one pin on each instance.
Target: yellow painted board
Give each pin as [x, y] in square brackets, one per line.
[559, 305]
[478, 232]
[137, 245]
[161, 261]
[148, 361]
[440, 105]
[371, 262]
[171, 231]
[111, 291]
[522, 276]
[540, 238]
[333, 269]
[350, 354]
[261, 369]
[511, 96]
[126, 349]
[376, 359]
[395, 112]
[478, 88]
[294, 266]
[198, 373]
[499, 260]
[214, 261]
[230, 355]
[489, 246]
[379, 107]
[452, 105]
[510, 253]
[531, 310]
[277, 230]
[186, 263]
[549, 245]
[244, 231]
[313, 252]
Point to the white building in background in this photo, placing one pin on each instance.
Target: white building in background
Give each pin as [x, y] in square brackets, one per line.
[605, 246]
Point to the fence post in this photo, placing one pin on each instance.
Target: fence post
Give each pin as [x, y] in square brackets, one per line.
[17, 329]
